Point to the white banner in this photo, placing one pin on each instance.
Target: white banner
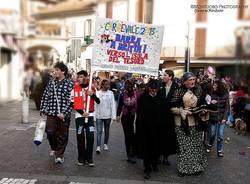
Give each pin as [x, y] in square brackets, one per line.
[127, 47]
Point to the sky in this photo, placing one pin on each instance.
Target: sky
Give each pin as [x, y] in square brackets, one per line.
[10, 4]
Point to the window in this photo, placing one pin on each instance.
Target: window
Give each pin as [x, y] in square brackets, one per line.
[200, 42]
[145, 11]
[87, 27]
[149, 11]
[48, 29]
[120, 10]
[109, 9]
[244, 12]
[201, 16]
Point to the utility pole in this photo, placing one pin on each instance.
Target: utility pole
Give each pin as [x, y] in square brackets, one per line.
[187, 52]
[238, 52]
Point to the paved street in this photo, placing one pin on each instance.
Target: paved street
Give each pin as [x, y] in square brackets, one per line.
[23, 162]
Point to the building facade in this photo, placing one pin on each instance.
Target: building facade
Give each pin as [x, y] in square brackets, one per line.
[11, 51]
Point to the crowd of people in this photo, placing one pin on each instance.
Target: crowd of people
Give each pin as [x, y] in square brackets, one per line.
[159, 118]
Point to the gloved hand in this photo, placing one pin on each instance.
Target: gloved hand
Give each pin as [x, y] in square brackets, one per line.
[184, 113]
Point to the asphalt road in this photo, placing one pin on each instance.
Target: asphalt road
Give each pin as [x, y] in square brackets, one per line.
[23, 162]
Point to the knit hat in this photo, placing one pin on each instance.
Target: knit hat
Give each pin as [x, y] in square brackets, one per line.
[187, 75]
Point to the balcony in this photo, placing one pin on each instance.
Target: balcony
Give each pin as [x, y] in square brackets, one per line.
[48, 30]
[49, 1]
[64, 8]
[227, 51]
[173, 52]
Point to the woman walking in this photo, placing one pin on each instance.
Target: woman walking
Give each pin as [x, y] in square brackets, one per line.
[126, 110]
[191, 157]
[105, 112]
[217, 120]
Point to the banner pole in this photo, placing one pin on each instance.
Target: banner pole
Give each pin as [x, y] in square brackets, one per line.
[89, 89]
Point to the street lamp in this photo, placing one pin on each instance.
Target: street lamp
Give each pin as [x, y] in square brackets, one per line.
[187, 52]
[238, 50]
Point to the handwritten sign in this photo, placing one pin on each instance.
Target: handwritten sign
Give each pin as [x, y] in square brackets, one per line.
[127, 47]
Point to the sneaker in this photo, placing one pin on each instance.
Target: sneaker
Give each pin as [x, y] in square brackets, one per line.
[51, 153]
[98, 150]
[59, 160]
[220, 154]
[208, 148]
[106, 147]
[91, 163]
[80, 163]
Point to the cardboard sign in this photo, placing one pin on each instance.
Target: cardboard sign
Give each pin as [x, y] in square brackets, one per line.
[127, 47]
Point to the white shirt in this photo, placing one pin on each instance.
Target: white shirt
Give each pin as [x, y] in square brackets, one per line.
[107, 107]
[167, 87]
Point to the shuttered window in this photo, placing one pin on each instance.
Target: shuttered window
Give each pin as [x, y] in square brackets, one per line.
[200, 42]
[201, 16]
[109, 9]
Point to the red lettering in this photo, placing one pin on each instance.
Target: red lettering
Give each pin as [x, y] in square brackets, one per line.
[145, 56]
[109, 52]
[115, 60]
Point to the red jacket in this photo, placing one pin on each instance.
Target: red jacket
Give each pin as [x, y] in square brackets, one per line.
[81, 97]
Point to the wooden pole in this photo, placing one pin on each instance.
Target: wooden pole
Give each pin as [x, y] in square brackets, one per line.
[89, 89]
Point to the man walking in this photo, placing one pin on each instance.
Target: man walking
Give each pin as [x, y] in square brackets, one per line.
[169, 145]
[79, 97]
[55, 104]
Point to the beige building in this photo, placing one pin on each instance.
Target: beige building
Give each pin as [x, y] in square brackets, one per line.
[61, 30]
[11, 53]
[218, 34]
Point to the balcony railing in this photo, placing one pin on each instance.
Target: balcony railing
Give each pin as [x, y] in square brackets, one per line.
[46, 30]
[211, 51]
[174, 52]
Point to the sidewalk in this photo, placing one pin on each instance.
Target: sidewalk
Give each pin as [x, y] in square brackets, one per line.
[11, 116]
[21, 159]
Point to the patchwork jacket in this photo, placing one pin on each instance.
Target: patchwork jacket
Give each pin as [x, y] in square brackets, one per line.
[49, 103]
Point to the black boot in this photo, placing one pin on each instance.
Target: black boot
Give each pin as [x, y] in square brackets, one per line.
[147, 175]
[181, 174]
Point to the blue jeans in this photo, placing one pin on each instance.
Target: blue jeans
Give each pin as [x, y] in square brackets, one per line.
[99, 128]
[216, 130]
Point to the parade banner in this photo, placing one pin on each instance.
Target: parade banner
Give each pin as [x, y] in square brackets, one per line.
[127, 47]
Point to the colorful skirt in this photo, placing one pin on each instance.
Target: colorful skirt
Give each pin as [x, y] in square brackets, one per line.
[192, 157]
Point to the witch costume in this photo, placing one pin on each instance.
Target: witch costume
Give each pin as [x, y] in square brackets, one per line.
[191, 156]
[148, 123]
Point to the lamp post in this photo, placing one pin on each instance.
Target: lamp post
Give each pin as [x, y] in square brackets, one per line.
[238, 51]
[187, 52]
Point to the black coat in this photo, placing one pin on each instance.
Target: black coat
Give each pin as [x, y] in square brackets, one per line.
[168, 136]
[148, 121]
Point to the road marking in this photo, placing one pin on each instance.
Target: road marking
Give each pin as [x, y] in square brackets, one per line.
[78, 183]
[22, 127]
[17, 181]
